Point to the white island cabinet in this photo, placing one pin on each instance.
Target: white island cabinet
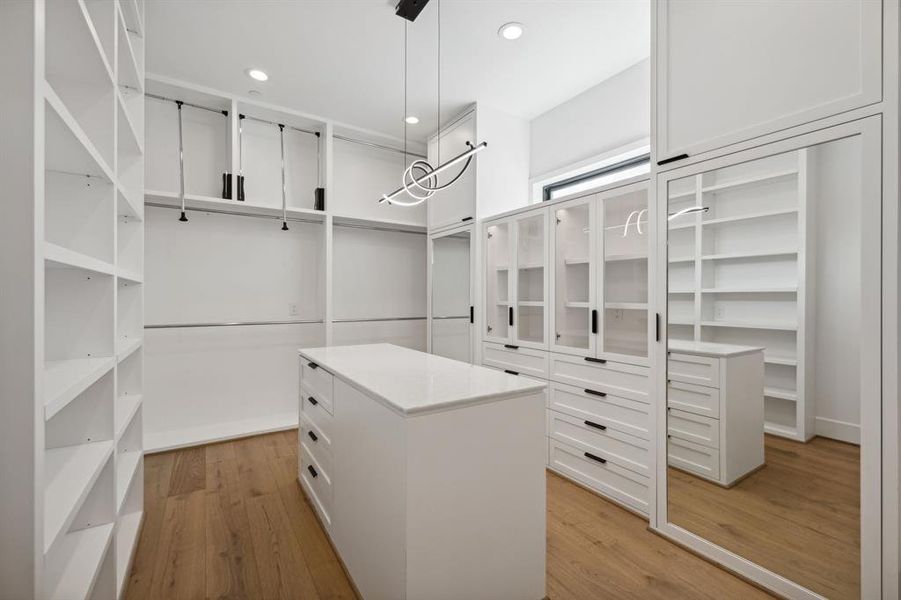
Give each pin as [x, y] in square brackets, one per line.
[427, 473]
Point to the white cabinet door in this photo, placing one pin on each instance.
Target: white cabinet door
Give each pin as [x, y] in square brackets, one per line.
[530, 279]
[732, 71]
[499, 270]
[456, 204]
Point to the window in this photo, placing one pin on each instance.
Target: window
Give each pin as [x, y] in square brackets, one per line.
[618, 168]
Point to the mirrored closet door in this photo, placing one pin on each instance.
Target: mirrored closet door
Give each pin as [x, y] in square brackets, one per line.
[451, 255]
[772, 361]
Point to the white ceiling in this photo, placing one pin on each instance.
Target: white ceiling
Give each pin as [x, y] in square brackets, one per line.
[343, 59]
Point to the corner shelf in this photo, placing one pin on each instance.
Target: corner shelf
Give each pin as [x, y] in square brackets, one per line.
[73, 567]
[64, 380]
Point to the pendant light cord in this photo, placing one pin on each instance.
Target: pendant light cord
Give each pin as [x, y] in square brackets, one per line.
[438, 117]
[405, 93]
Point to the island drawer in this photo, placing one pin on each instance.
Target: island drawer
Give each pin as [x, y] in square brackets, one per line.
[320, 479]
[623, 414]
[693, 458]
[692, 398]
[307, 481]
[316, 441]
[315, 412]
[622, 485]
[621, 379]
[521, 361]
[319, 383]
[610, 445]
[693, 428]
[688, 368]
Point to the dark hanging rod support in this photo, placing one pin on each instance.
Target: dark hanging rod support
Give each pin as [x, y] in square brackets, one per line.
[181, 165]
[241, 157]
[164, 99]
[280, 125]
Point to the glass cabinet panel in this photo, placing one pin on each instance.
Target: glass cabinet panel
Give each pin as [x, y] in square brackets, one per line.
[497, 280]
[530, 278]
[625, 273]
[574, 298]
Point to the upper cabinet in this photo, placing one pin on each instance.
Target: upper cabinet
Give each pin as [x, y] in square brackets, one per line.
[457, 204]
[731, 71]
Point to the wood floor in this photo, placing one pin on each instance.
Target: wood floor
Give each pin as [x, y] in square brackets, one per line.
[798, 516]
[229, 521]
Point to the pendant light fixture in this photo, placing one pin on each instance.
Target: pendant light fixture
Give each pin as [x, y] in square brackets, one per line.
[420, 181]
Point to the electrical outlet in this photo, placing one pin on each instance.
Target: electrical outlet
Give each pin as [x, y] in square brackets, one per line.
[292, 309]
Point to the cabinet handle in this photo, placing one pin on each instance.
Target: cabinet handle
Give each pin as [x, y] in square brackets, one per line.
[312, 365]
[511, 316]
[511, 372]
[671, 159]
[312, 471]
[601, 361]
[472, 315]
[657, 328]
[594, 320]
[603, 461]
[313, 400]
[596, 425]
[595, 393]
[313, 436]
[511, 346]
[464, 219]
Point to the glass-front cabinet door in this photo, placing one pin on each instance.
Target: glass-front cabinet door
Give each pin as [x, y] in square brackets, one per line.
[529, 315]
[624, 272]
[498, 281]
[575, 316]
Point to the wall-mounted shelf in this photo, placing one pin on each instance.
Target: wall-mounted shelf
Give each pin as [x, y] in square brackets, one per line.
[756, 179]
[64, 380]
[626, 305]
[126, 407]
[211, 204]
[782, 394]
[57, 257]
[751, 254]
[751, 325]
[758, 215]
[73, 567]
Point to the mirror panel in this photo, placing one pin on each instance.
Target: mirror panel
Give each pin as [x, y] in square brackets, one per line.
[451, 296]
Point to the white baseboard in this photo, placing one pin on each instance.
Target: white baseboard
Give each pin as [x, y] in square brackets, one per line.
[838, 430]
[217, 432]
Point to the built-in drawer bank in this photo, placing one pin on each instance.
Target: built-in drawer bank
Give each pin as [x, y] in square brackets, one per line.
[316, 442]
[615, 412]
[689, 368]
[617, 378]
[693, 458]
[511, 358]
[621, 485]
[609, 445]
[319, 383]
[316, 412]
[693, 428]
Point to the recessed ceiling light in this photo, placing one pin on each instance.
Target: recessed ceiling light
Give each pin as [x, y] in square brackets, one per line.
[411, 120]
[257, 74]
[511, 31]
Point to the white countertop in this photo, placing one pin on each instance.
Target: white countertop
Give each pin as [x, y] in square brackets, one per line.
[711, 348]
[411, 382]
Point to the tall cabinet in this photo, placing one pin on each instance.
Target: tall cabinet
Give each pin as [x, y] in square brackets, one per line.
[566, 301]
[71, 427]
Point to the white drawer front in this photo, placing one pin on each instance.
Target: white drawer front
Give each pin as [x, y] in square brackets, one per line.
[700, 370]
[621, 448]
[316, 442]
[319, 383]
[694, 458]
[320, 479]
[316, 413]
[692, 398]
[622, 414]
[609, 479]
[522, 361]
[693, 428]
[620, 379]
[310, 488]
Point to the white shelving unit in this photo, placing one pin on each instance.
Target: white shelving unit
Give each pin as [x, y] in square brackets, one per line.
[737, 273]
[88, 241]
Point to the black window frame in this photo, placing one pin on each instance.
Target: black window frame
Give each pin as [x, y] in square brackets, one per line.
[628, 163]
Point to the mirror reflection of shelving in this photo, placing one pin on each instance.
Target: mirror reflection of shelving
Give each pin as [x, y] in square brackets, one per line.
[626, 273]
[735, 269]
[572, 274]
[497, 249]
[530, 277]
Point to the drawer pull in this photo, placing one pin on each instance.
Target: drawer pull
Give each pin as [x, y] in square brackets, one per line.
[603, 461]
[594, 321]
[596, 393]
[313, 400]
[596, 425]
[511, 316]
[511, 372]
[601, 361]
[511, 346]
[313, 436]
[312, 471]
[312, 365]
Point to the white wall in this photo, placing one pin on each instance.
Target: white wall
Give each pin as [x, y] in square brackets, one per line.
[502, 181]
[837, 319]
[610, 115]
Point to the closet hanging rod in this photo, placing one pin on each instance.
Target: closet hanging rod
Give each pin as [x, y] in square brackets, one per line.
[380, 228]
[375, 145]
[450, 317]
[235, 213]
[379, 319]
[258, 120]
[221, 111]
[230, 324]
